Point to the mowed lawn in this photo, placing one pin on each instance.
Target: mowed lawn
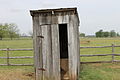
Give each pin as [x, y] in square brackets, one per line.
[106, 71]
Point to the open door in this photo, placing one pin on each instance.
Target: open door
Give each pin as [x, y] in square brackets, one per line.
[63, 39]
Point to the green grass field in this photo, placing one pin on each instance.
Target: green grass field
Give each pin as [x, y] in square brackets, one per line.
[106, 71]
[16, 72]
[103, 71]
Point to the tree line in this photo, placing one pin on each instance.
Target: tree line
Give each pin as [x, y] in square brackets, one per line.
[102, 33]
[9, 31]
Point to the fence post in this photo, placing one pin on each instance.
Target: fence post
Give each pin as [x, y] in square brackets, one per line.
[8, 56]
[113, 50]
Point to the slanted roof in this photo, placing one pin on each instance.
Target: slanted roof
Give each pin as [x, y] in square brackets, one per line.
[74, 10]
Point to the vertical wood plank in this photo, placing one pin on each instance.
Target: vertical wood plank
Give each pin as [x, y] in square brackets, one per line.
[73, 48]
[76, 25]
[78, 47]
[37, 47]
[45, 19]
[46, 52]
[63, 19]
[55, 51]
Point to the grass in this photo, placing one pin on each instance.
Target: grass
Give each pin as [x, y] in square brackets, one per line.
[103, 71]
[99, 42]
[16, 72]
[108, 71]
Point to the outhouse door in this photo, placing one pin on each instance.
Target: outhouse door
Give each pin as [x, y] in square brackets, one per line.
[46, 52]
[49, 67]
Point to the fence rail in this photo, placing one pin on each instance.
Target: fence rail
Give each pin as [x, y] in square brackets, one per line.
[92, 55]
[18, 57]
[85, 55]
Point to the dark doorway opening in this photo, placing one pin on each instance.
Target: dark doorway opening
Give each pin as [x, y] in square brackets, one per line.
[63, 39]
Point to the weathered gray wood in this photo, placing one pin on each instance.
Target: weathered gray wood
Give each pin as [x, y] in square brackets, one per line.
[54, 17]
[22, 57]
[55, 52]
[72, 48]
[78, 46]
[37, 47]
[113, 52]
[63, 19]
[91, 55]
[100, 62]
[16, 64]
[45, 19]
[16, 49]
[46, 52]
[96, 62]
[96, 47]
[7, 56]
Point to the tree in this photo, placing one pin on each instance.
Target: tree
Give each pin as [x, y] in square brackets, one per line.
[113, 33]
[118, 34]
[106, 34]
[13, 31]
[99, 33]
[82, 34]
[3, 30]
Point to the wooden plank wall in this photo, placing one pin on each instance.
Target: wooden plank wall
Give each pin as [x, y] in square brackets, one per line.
[37, 47]
[46, 52]
[73, 48]
[46, 46]
[55, 52]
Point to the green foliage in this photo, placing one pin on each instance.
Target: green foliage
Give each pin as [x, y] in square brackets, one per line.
[82, 34]
[9, 30]
[13, 31]
[3, 30]
[101, 33]
[113, 33]
[106, 34]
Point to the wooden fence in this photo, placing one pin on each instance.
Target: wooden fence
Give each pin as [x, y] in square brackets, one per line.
[92, 55]
[8, 57]
[85, 55]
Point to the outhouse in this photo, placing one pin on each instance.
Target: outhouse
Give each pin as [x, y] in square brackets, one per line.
[56, 44]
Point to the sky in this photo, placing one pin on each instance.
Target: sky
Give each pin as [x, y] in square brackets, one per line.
[94, 14]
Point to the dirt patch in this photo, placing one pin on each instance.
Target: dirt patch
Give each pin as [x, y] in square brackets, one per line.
[30, 74]
[17, 74]
[114, 67]
[96, 65]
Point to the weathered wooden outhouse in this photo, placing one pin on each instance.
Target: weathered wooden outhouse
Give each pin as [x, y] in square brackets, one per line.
[56, 43]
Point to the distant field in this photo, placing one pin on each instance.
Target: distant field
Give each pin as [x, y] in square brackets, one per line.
[88, 71]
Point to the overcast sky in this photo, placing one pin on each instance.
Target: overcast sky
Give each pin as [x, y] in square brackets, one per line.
[94, 14]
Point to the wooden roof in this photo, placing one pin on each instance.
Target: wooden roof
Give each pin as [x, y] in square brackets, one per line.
[54, 10]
